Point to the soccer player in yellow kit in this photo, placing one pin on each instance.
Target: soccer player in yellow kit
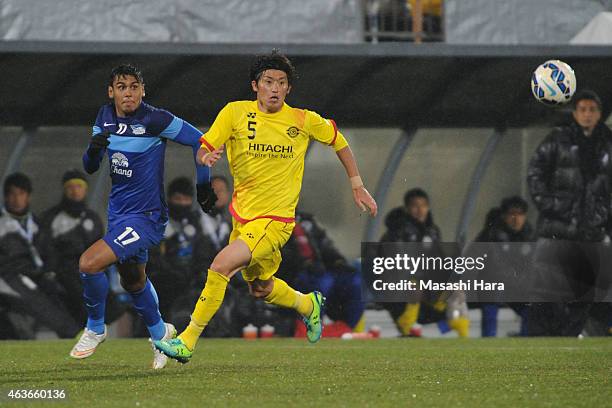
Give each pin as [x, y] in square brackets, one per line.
[266, 142]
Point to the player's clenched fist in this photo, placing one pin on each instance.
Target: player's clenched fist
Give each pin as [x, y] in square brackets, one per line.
[99, 142]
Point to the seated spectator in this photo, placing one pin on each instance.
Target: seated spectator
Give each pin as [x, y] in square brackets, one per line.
[23, 275]
[311, 261]
[67, 230]
[508, 223]
[414, 223]
[178, 267]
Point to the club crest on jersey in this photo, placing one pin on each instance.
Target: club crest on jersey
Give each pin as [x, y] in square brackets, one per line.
[120, 164]
[138, 129]
[293, 132]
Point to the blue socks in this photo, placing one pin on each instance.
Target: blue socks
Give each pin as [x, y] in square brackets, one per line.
[489, 319]
[95, 290]
[147, 306]
[443, 326]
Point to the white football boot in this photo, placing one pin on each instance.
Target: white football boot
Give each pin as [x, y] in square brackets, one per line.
[87, 344]
[159, 359]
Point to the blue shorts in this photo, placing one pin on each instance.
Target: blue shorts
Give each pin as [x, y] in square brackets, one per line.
[131, 236]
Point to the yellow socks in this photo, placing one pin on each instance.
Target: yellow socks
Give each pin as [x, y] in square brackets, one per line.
[408, 317]
[461, 325]
[283, 295]
[207, 305]
[360, 326]
[212, 296]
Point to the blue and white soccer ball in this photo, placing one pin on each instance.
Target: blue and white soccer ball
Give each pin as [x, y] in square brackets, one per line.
[553, 83]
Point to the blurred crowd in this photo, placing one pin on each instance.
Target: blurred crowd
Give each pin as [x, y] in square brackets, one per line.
[569, 178]
[39, 258]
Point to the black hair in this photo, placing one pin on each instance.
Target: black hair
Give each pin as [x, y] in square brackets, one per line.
[587, 94]
[274, 60]
[18, 180]
[125, 70]
[492, 217]
[513, 202]
[181, 185]
[415, 193]
[73, 174]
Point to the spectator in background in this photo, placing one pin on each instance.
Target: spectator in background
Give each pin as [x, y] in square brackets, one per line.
[67, 229]
[432, 14]
[414, 223]
[311, 261]
[508, 223]
[179, 265]
[569, 182]
[23, 275]
[218, 223]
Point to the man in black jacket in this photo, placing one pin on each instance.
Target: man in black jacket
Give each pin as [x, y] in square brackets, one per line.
[414, 223]
[569, 182]
[67, 230]
[507, 223]
[569, 176]
[22, 271]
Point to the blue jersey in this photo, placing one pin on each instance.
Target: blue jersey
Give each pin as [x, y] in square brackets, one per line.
[136, 157]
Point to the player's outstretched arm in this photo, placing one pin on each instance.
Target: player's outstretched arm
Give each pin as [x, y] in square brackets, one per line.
[186, 134]
[362, 197]
[219, 132]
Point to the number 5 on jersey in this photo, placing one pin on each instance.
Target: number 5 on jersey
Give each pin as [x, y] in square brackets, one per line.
[251, 126]
[123, 239]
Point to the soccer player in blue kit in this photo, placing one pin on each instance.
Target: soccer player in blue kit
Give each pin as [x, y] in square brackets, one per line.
[134, 134]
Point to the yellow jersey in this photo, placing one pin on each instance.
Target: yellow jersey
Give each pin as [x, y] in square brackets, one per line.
[266, 154]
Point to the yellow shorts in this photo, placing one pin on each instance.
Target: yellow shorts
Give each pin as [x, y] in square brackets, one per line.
[265, 238]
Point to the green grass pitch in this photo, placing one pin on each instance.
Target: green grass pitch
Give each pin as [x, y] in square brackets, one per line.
[286, 372]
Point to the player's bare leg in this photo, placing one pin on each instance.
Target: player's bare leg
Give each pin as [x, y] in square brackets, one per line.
[96, 258]
[232, 258]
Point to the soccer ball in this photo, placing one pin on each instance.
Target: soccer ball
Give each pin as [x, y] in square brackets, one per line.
[553, 83]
